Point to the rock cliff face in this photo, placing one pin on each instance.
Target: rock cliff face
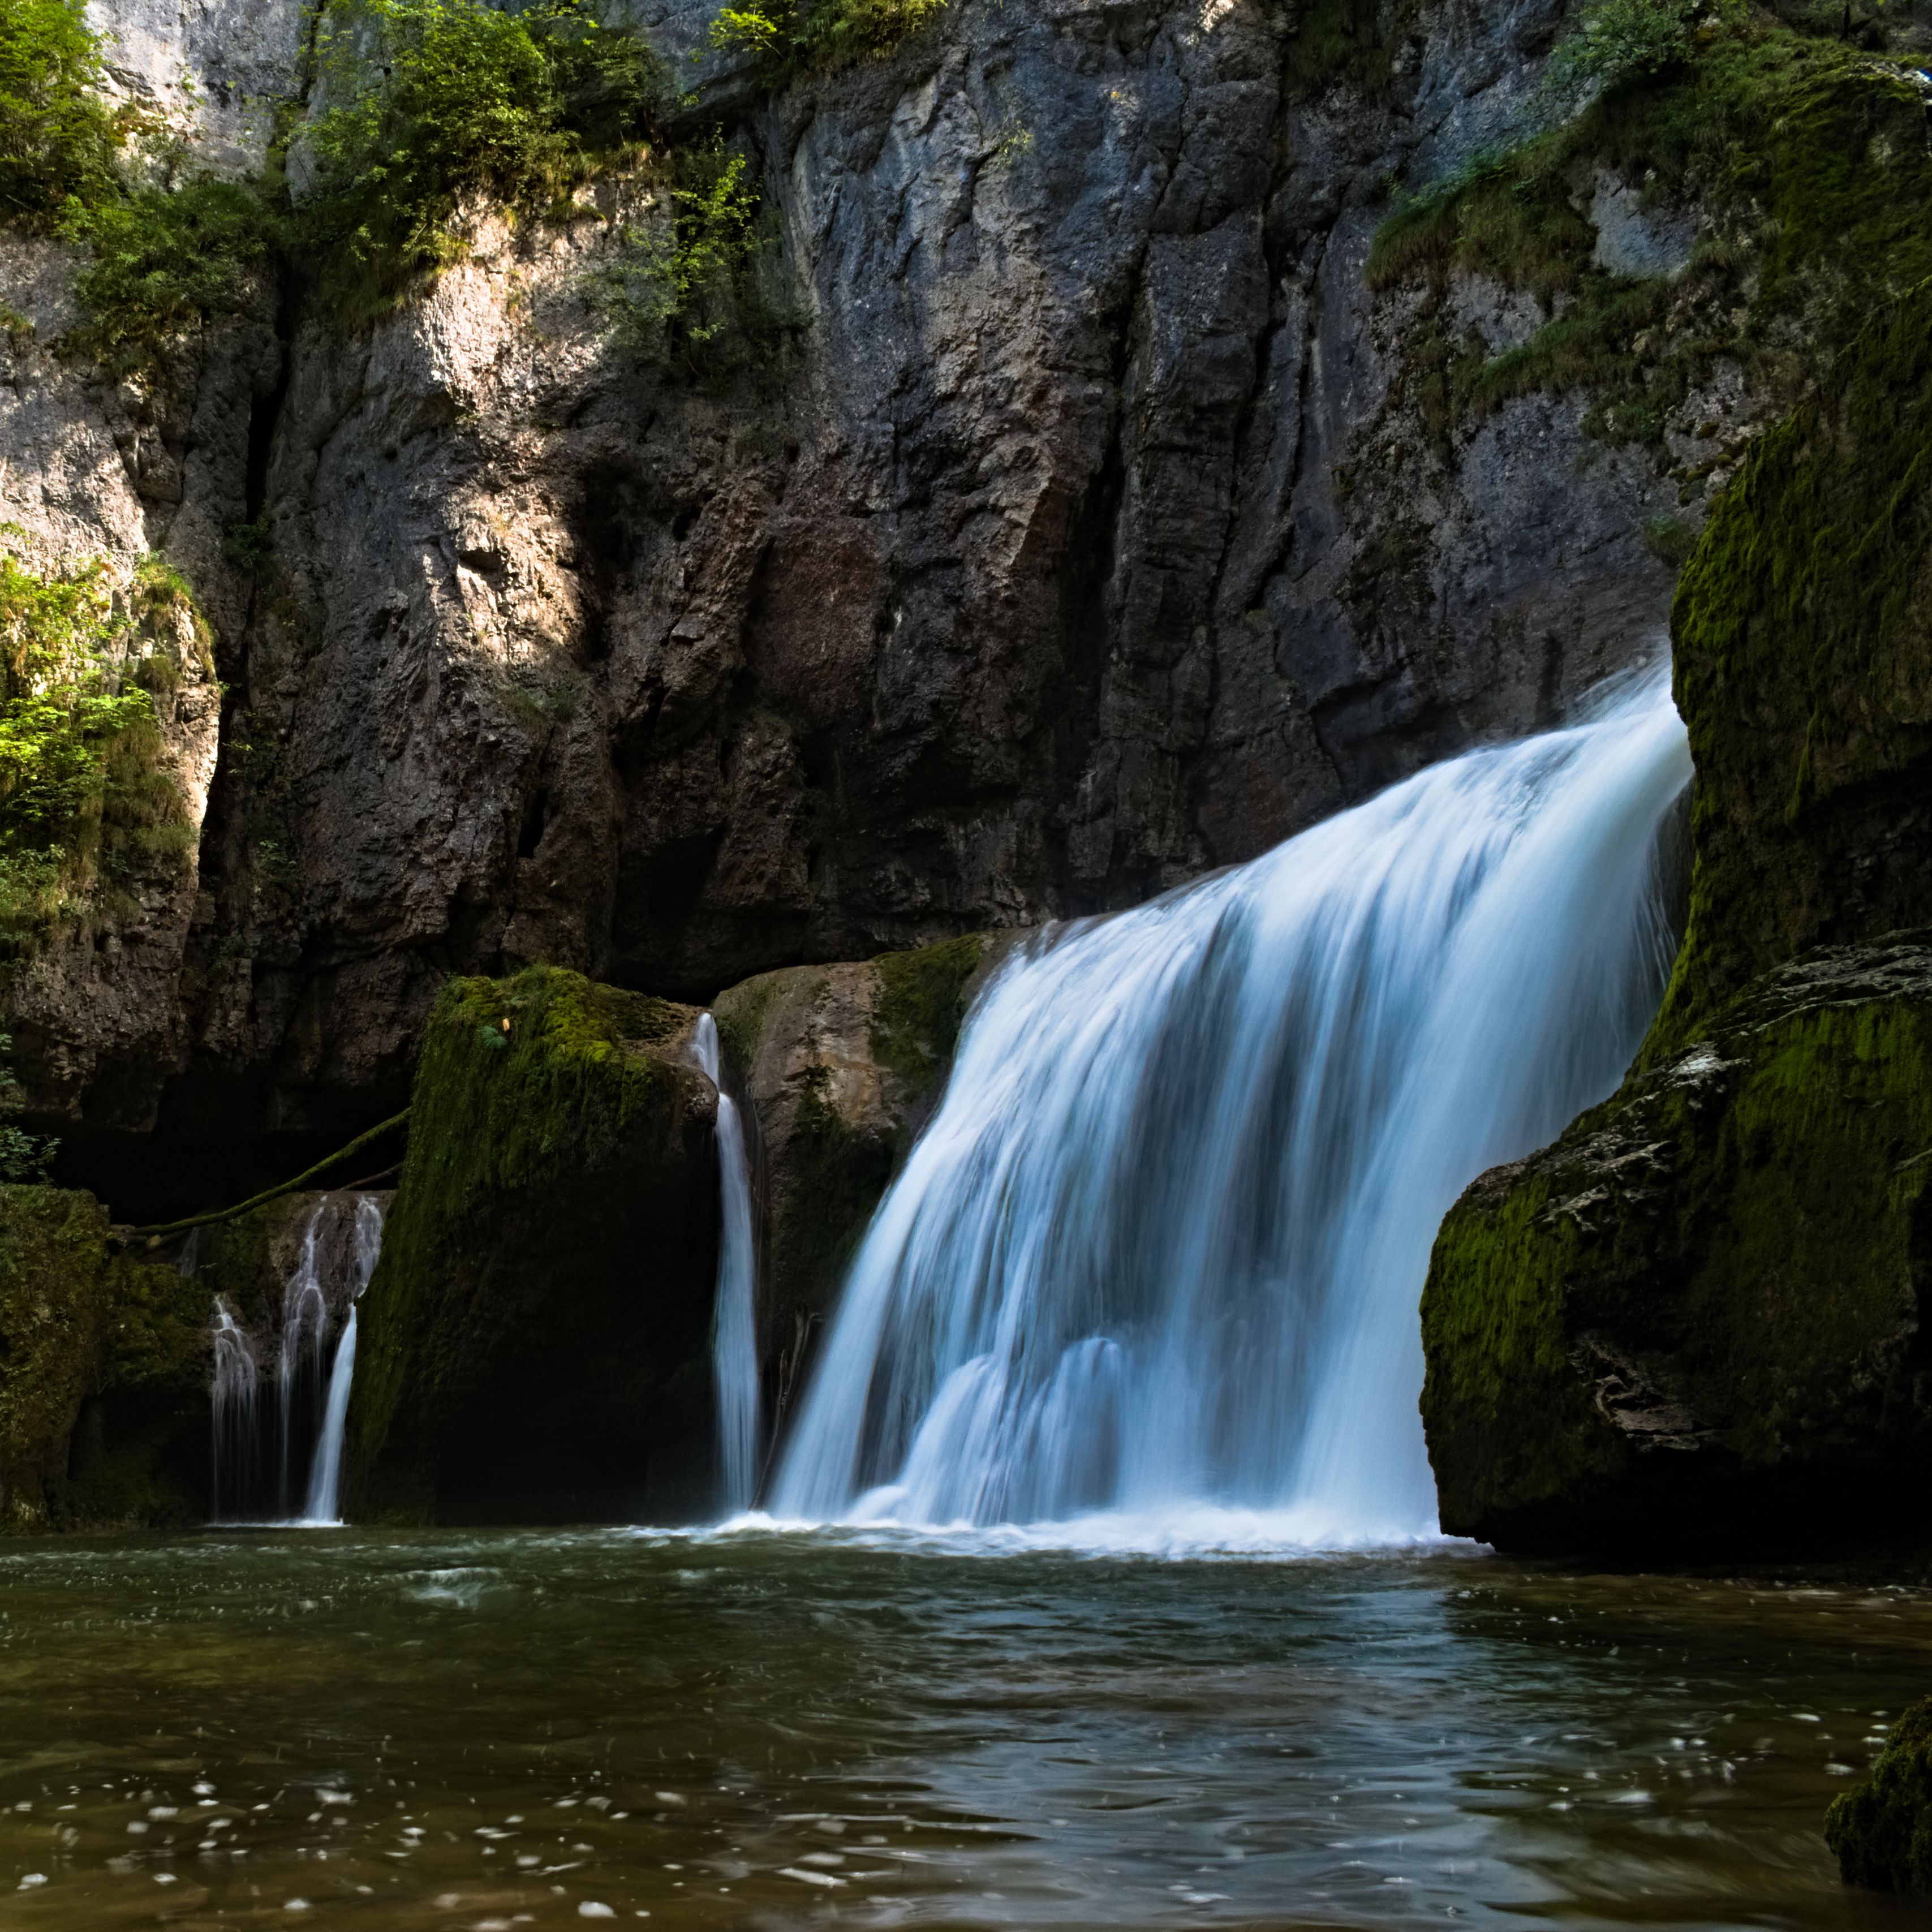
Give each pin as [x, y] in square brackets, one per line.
[1080, 530]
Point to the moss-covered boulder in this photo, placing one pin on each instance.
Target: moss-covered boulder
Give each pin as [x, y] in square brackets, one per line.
[533, 1345]
[103, 1374]
[1696, 1321]
[841, 1066]
[1881, 1833]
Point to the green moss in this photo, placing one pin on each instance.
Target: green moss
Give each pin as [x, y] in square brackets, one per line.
[552, 1232]
[920, 1006]
[1802, 629]
[1881, 1832]
[740, 1014]
[1812, 157]
[1740, 1226]
[1350, 41]
[90, 1337]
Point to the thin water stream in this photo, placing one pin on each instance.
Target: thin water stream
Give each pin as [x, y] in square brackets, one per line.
[769, 1729]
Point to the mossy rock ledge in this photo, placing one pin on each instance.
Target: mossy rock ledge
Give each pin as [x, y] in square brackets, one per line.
[534, 1341]
[1695, 1323]
[840, 1067]
[103, 1374]
[1881, 1831]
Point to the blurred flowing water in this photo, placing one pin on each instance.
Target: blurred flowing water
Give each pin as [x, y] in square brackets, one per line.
[1163, 1245]
[757, 1729]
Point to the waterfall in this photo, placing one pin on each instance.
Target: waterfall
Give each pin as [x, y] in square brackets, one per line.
[298, 1376]
[237, 1374]
[1159, 1254]
[734, 1350]
[325, 1471]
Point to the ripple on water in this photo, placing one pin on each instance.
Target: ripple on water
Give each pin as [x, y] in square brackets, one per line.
[760, 1725]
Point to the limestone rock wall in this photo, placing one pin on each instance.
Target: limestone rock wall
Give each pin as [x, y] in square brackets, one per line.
[1015, 582]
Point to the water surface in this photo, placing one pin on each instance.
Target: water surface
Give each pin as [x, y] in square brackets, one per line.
[465, 1730]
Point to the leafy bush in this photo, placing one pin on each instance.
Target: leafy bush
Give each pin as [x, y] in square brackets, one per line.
[85, 794]
[789, 39]
[1618, 40]
[679, 295]
[431, 101]
[57, 139]
[167, 256]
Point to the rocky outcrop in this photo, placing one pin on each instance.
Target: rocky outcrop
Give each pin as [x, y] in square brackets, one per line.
[103, 1373]
[1010, 579]
[1699, 1315]
[838, 1068]
[534, 1341]
[1881, 1833]
[1698, 1320]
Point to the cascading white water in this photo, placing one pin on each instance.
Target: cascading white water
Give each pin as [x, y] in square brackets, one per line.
[1160, 1251]
[299, 1376]
[326, 1472]
[237, 1376]
[734, 1354]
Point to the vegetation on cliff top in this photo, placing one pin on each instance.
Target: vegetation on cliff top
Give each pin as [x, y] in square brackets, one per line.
[86, 800]
[431, 103]
[790, 40]
[1808, 156]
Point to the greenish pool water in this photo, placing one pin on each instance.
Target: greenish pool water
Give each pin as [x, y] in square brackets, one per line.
[488, 1730]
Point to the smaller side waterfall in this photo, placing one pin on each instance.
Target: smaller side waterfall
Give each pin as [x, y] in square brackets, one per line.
[325, 1473]
[306, 1347]
[299, 1379]
[734, 1348]
[237, 1374]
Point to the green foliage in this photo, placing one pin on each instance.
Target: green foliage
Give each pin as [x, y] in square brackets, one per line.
[166, 257]
[249, 545]
[23, 1156]
[1335, 40]
[86, 798]
[790, 41]
[689, 297]
[431, 102]
[1617, 41]
[1812, 157]
[1881, 1831]
[57, 139]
